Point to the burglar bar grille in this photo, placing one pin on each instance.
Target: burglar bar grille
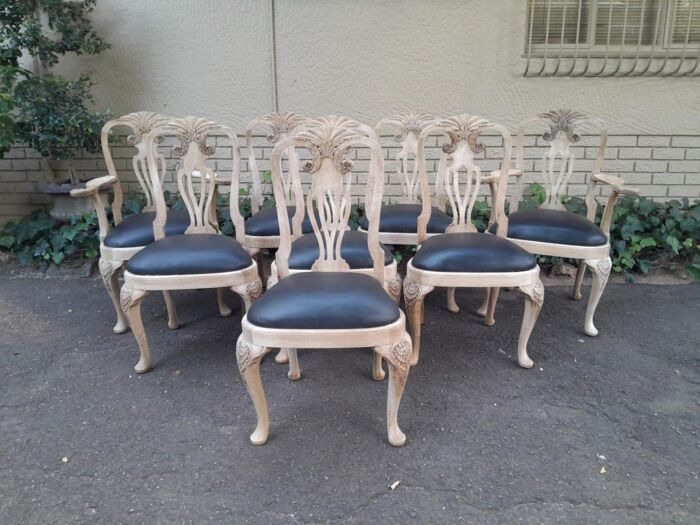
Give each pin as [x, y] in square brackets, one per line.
[603, 38]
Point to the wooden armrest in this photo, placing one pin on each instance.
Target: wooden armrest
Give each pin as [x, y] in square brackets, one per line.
[617, 183]
[94, 185]
[627, 190]
[611, 180]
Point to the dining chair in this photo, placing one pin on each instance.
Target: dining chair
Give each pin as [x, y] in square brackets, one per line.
[330, 306]
[354, 246]
[262, 229]
[399, 221]
[463, 257]
[201, 257]
[551, 229]
[130, 234]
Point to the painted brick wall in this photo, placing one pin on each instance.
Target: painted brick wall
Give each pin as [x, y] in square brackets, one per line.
[662, 167]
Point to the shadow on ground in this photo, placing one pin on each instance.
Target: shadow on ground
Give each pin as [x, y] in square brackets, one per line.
[488, 442]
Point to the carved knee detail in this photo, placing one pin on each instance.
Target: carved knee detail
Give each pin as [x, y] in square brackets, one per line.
[130, 297]
[535, 291]
[393, 288]
[413, 292]
[107, 269]
[249, 292]
[601, 267]
[246, 355]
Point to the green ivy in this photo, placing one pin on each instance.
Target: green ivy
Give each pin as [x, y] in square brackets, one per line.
[39, 240]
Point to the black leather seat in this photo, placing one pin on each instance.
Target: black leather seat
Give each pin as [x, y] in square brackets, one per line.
[324, 300]
[137, 230]
[196, 253]
[472, 253]
[264, 223]
[353, 249]
[553, 226]
[403, 218]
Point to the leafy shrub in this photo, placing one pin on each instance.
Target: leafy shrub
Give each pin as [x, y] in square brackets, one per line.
[40, 240]
[36, 107]
[52, 116]
[643, 233]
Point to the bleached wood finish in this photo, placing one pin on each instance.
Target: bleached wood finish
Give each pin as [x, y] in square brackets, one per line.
[562, 130]
[197, 185]
[406, 128]
[293, 188]
[329, 143]
[462, 178]
[112, 260]
[277, 127]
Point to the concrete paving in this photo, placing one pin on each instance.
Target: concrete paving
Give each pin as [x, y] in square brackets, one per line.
[601, 430]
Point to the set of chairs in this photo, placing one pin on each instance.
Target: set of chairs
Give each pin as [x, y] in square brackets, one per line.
[330, 286]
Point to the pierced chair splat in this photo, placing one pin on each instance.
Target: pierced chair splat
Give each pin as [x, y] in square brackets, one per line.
[329, 306]
[551, 229]
[262, 229]
[201, 257]
[399, 221]
[130, 234]
[354, 247]
[462, 257]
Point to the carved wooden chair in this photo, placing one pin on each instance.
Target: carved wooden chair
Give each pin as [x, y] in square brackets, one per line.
[462, 257]
[201, 257]
[399, 221]
[119, 244]
[330, 307]
[354, 247]
[550, 229]
[262, 229]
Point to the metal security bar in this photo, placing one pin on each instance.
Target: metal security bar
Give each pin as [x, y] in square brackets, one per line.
[605, 38]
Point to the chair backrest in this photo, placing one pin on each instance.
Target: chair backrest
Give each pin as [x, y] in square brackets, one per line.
[341, 121]
[561, 129]
[460, 143]
[407, 127]
[329, 200]
[278, 126]
[196, 180]
[138, 124]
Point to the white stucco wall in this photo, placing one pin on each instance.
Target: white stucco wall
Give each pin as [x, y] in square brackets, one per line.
[363, 58]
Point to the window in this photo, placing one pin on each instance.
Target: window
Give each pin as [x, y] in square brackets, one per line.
[612, 37]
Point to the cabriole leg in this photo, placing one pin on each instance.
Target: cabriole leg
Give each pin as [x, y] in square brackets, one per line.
[170, 307]
[601, 271]
[377, 370]
[398, 357]
[109, 270]
[485, 304]
[249, 292]
[248, 357]
[413, 294]
[490, 318]
[580, 272]
[294, 371]
[130, 300]
[534, 298]
[452, 305]
[224, 309]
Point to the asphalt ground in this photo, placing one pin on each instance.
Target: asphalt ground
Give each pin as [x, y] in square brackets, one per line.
[601, 430]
